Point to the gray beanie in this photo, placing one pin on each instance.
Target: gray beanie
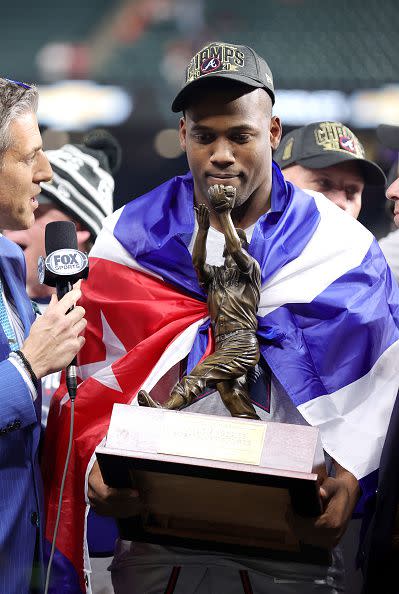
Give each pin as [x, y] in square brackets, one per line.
[82, 184]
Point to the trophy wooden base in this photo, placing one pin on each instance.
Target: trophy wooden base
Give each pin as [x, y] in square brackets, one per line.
[230, 488]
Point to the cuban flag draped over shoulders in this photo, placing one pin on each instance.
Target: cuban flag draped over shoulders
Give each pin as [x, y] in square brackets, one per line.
[328, 329]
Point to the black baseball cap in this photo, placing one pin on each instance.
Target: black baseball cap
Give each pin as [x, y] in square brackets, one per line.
[389, 135]
[322, 144]
[222, 60]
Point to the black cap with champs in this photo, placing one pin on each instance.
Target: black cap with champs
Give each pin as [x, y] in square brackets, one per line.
[223, 60]
[323, 144]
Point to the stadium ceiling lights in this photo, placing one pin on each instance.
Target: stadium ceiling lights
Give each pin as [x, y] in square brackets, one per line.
[80, 105]
[361, 109]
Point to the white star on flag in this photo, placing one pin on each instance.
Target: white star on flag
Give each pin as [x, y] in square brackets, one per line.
[102, 370]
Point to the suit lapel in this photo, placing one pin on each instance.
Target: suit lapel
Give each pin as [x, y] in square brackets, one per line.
[14, 279]
[19, 296]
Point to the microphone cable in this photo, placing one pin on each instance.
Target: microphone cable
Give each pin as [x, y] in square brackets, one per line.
[57, 521]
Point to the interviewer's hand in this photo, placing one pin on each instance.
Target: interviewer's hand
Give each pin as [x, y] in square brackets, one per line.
[107, 501]
[54, 337]
[339, 496]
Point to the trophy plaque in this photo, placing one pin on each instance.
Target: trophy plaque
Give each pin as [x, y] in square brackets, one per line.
[215, 483]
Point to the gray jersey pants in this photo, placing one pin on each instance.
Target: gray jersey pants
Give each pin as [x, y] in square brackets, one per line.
[151, 569]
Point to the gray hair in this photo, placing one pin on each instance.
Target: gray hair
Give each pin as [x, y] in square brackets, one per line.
[16, 99]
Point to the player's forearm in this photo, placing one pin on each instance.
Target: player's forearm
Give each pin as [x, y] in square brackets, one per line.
[233, 242]
[199, 249]
[350, 481]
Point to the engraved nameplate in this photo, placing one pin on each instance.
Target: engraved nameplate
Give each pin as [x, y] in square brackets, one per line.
[224, 439]
[134, 428]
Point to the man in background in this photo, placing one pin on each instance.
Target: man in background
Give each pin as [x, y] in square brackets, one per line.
[29, 349]
[327, 157]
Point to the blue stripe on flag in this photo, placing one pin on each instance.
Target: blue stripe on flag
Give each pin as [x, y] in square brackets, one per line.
[337, 338]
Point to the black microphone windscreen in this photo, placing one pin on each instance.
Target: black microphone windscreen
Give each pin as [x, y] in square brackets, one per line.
[60, 235]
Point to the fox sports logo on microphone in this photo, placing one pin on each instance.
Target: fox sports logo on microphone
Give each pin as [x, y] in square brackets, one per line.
[66, 261]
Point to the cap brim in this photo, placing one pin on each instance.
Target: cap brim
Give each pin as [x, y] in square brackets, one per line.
[389, 136]
[373, 174]
[180, 101]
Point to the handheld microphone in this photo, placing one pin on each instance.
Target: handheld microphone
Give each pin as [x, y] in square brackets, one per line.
[63, 266]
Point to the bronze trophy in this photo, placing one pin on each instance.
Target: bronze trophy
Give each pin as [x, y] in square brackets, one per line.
[233, 297]
[217, 482]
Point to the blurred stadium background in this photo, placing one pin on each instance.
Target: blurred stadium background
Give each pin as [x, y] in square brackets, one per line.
[118, 63]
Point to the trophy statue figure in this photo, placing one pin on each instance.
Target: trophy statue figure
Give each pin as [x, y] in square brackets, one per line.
[233, 291]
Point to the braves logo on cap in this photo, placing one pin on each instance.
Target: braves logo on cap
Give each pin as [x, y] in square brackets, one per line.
[215, 56]
[334, 136]
[209, 65]
[347, 143]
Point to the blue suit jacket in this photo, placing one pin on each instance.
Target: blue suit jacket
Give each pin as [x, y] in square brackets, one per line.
[20, 482]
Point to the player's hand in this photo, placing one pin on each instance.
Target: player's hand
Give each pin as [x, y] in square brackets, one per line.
[222, 198]
[202, 212]
[338, 497]
[107, 501]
